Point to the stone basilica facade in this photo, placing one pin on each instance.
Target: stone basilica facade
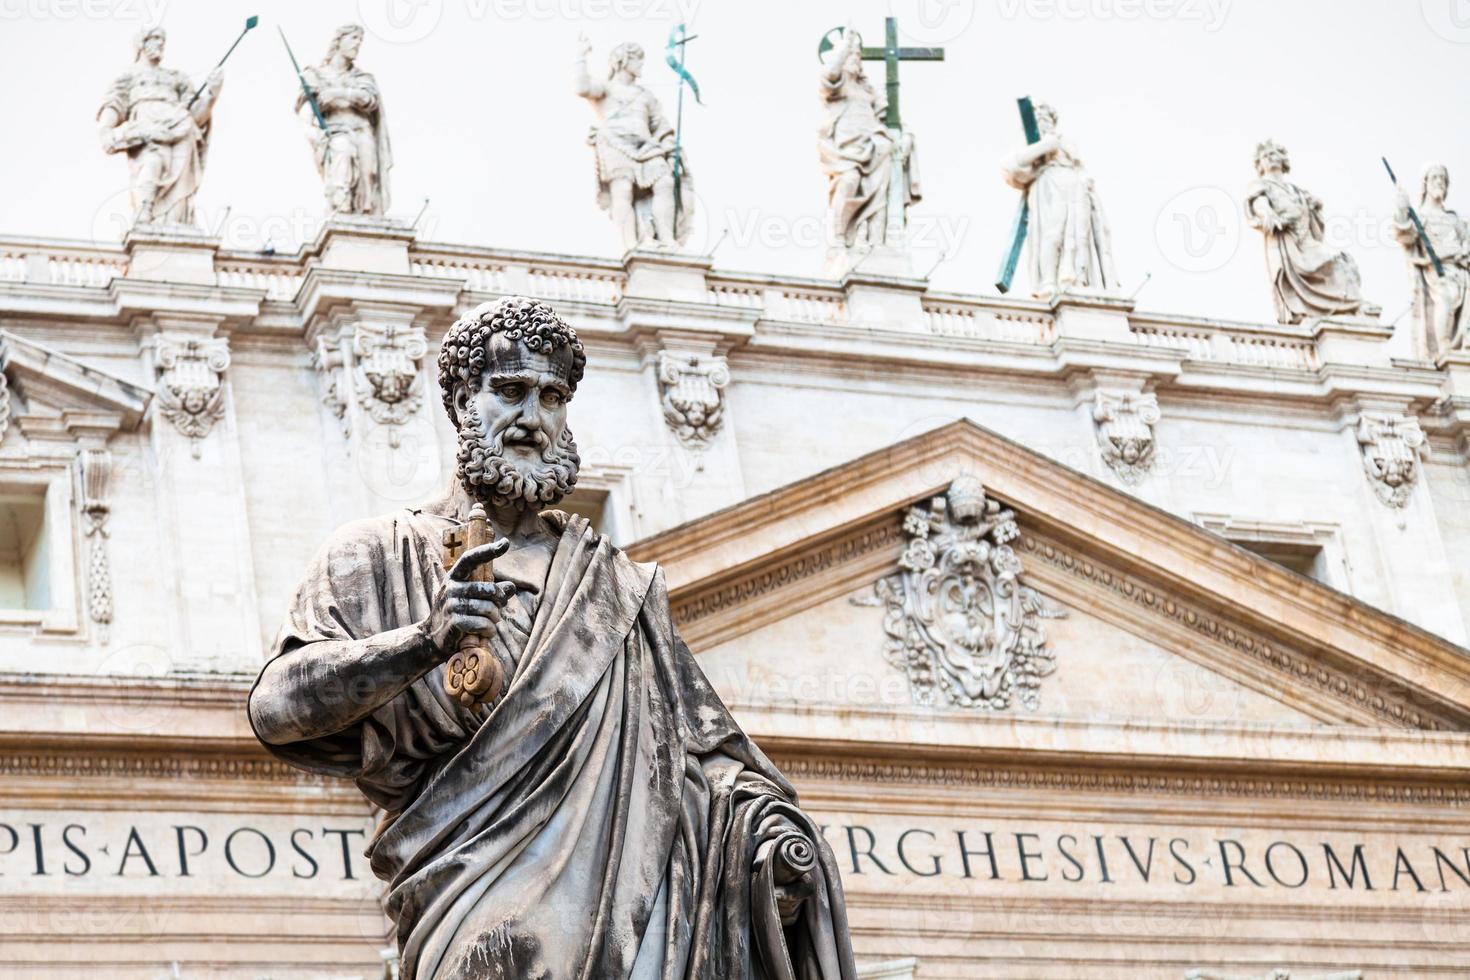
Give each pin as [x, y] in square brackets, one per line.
[1102, 643]
[1106, 643]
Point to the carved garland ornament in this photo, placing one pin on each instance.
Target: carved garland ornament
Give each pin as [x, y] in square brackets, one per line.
[1125, 431]
[327, 359]
[693, 395]
[4, 405]
[189, 391]
[958, 619]
[96, 472]
[1392, 446]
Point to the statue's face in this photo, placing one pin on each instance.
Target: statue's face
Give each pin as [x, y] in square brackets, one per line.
[1274, 160]
[153, 48]
[1437, 185]
[515, 448]
[1046, 121]
[634, 65]
[349, 46]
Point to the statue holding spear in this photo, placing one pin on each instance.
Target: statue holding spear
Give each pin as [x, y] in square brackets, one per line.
[643, 178]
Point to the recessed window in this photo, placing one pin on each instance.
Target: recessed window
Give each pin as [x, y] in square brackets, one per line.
[25, 558]
[591, 504]
[1302, 558]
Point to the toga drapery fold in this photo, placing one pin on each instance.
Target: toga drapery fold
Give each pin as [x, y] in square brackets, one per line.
[607, 818]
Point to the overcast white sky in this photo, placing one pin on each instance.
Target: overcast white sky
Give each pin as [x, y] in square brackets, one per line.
[1165, 98]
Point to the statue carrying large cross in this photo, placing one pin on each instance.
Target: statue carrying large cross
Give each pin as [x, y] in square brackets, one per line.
[866, 153]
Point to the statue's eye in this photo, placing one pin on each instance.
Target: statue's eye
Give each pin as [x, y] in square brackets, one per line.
[512, 392]
[553, 398]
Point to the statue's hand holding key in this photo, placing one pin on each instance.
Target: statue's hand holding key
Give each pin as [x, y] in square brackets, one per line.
[463, 607]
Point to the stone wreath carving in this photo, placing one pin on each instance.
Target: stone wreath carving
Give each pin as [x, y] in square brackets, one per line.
[959, 621]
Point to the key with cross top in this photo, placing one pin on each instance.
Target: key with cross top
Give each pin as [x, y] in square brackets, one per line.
[473, 674]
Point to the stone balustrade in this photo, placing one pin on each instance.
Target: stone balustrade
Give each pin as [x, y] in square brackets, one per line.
[486, 272]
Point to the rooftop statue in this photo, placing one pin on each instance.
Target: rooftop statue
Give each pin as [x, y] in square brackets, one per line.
[1308, 278]
[341, 108]
[160, 121]
[634, 145]
[1441, 313]
[1070, 246]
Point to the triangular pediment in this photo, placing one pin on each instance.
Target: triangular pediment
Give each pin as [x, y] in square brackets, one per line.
[74, 395]
[1163, 621]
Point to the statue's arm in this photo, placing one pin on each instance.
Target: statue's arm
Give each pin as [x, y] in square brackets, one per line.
[582, 79]
[112, 116]
[1258, 211]
[205, 106]
[321, 688]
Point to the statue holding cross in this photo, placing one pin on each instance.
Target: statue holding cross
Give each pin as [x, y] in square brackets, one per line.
[1070, 246]
[866, 154]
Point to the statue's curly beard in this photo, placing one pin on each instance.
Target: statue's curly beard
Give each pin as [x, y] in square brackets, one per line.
[497, 481]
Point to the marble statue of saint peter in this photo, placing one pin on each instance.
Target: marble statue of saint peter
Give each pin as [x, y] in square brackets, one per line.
[604, 817]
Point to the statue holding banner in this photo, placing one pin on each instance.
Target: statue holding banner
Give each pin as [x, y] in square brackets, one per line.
[342, 109]
[1308, 278]
[597, 814]
[158, 119]
[1069, 245]
[634, 147]
[1441, 310]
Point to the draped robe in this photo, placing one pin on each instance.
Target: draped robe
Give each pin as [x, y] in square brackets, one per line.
[606, 818]
[1308, 278]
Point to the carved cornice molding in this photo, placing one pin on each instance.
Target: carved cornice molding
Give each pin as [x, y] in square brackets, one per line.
[785, 585]
[806, 770]
[1368, 694]
[117, 764]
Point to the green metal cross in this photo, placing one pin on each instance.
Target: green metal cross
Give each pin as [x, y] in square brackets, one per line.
[891, 54]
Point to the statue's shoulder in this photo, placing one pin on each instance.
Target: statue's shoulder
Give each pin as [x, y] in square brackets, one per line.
[642, 574]
[368, 536]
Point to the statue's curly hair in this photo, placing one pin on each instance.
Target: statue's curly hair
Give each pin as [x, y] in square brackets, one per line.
[464, 355]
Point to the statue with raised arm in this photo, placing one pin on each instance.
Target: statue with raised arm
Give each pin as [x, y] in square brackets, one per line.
[633, 146]
[858, 153]
[349, 138]
[151, 114]
[1069, 244]
[597, 814]
[1308, 278]
[1441, 310]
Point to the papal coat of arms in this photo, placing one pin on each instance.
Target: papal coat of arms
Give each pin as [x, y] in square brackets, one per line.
[959, 621]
